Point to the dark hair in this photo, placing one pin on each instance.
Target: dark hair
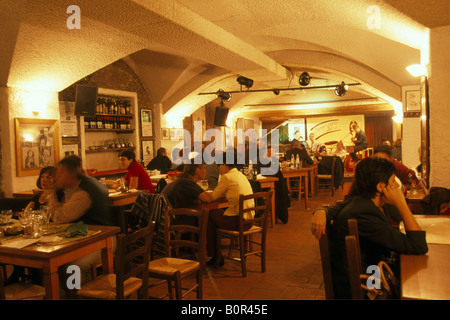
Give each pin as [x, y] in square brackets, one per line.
[369, 172]
[51, 171]
[190, 168]
[128, 154]
[160, 151]
[72, 163]
[383, 149]
[234, 163]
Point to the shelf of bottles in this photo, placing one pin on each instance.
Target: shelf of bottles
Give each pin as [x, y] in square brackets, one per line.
[112, 114]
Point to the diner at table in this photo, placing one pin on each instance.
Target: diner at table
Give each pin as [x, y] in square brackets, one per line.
[135, 170]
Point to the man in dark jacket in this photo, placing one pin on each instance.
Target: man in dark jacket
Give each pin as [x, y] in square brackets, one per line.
[161, 162]
[300, 150]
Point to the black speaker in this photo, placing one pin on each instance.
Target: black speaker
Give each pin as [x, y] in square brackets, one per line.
[85, 100]
[220, 116]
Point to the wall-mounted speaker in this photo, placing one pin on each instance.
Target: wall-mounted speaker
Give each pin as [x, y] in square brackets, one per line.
[220, 116]
[86, 100]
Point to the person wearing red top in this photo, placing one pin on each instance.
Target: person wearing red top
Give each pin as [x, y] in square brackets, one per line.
[402, 172]
[128, 161]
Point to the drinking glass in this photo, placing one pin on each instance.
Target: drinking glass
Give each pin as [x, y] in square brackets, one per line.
[6, 216]
[36, 220]
[25, 219]
[46, 215]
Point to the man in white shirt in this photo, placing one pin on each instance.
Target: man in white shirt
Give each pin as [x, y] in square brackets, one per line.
[231, 185]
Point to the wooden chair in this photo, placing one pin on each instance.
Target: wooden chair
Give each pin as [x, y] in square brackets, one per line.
[131, 267]
[329, 178]
[19, 290]
[326, 265]
[242, 240]
[354, 260]
[174, 269]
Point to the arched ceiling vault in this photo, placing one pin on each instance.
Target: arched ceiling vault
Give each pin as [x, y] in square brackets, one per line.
[180, 48]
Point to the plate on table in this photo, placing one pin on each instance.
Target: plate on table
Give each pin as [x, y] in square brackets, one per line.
[13, 231]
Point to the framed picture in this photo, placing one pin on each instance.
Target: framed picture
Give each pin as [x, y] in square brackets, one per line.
[68, 119]
[176, 134]
[147, 151]
[69, 149]
[146, 122]
[37, 145]
[412, 100]
[425, 132]
[165, 133]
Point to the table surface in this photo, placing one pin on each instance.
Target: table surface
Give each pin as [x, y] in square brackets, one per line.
[426, 276]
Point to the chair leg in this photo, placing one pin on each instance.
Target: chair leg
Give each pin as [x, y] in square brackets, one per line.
[178, 289]
[243, 256]
[170, 289]
[200, 284]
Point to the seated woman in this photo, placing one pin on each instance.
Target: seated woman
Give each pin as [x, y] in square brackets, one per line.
[45, 181]
[375, 198]
[128, 161]
[231, 185]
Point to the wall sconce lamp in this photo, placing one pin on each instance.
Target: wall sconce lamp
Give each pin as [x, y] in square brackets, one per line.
[417, 70]
[341, 89]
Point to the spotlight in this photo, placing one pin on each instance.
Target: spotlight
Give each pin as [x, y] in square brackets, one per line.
[243, 81]
[276, 92]
[304, 79]
[341, 89]
[224, 95]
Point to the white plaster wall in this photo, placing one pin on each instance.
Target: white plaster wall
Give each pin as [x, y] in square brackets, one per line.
[439, 107]
[411, 142]
[20, 103]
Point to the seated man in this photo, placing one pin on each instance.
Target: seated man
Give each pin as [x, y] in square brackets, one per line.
[405, 174]
[79, 197]
[161, 162]
[300, 150]
[374, 200]
[232, 184]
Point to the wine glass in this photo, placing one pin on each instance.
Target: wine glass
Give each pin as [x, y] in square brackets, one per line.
[6, 216]
[25, 221]
[46, 215]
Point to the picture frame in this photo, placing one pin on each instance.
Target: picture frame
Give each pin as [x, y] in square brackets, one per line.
[176, 134]
[165, 134]
[37, 145]
[425, 131]
[412, 100]
[146, 122]
[147, 151]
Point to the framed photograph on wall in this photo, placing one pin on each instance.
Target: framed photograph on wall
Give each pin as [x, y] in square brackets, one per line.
[165, 133]
[147, 151]
[69, 149]
[412, 100]
[146, 122]
[37, 145]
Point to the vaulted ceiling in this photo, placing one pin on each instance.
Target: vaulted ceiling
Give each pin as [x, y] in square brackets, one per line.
[185, 47]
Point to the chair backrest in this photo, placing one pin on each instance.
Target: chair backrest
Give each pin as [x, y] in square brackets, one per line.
[326, 265]
[353, 231]
[354, 267]
[132, 258]
[174, 231]
[263, 207]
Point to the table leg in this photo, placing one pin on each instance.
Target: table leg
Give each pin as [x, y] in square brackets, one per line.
[273, 205]
[306, 191]
[51, 282]
[108, 257]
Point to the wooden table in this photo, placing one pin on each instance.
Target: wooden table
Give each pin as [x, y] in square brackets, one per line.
[426, 276]
[49, 258]
[269, 183]
[300, 173]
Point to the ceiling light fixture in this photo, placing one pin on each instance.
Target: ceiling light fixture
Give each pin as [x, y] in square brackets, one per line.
[341, 89]
[223, 95]
[304, 79]
[417, 70]
[243, 81]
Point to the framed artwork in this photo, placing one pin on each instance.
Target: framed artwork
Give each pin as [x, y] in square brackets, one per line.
[425, 132]
[165, 134]
[37, 145]
[146, 122]
[412, 100]
[176, 134]
[147, 151]
[68, 119]
[69, 149]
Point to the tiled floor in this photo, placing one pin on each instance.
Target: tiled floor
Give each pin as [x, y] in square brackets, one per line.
[293, 263]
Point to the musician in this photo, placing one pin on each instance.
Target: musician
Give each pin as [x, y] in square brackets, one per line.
[359, 138]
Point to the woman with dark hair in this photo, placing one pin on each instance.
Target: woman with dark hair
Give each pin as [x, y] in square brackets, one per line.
[128, 161]
[375, 198]
[45, 181]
